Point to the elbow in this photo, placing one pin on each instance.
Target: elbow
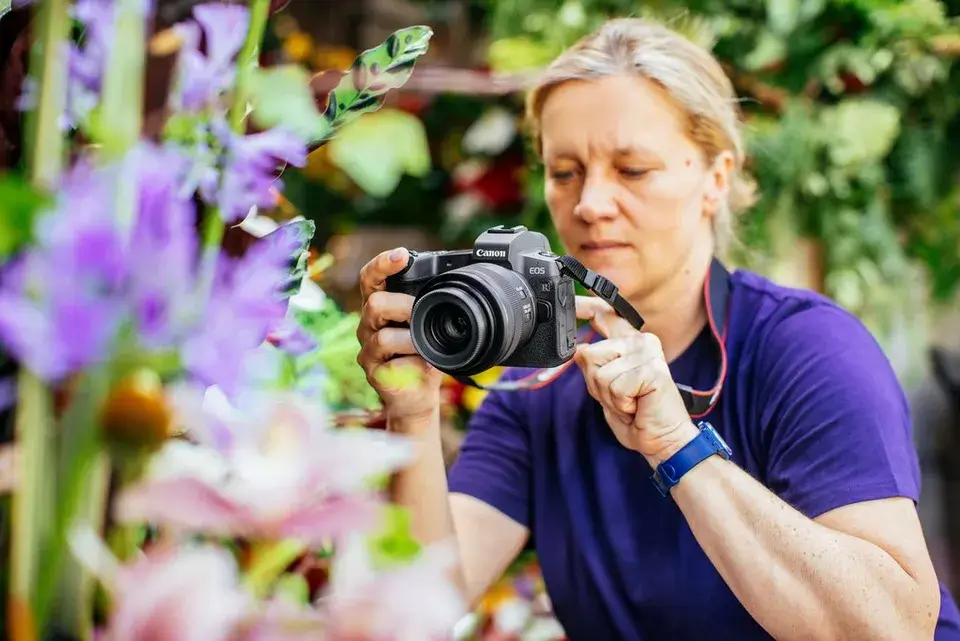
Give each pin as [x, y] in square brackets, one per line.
[923, 616]
[912, 616]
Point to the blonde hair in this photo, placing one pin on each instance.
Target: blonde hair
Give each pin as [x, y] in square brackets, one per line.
[688, 73]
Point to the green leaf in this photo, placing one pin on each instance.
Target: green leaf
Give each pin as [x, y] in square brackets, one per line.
[394, 544]
[281, 97]
[860, 131]
[377, 151]
[293, 588]
[399, 377]
[519, 54]
[296, 235]
[20, 203]
[374, 73]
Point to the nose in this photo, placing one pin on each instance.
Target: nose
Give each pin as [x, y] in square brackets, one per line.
[597, 200]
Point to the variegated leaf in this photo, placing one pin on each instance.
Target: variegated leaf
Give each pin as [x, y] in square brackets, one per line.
[295, 237]
[374, 73]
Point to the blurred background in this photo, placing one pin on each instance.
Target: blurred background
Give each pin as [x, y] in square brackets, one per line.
[851, 111]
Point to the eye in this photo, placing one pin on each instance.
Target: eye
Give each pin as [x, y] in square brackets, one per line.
[629, 172]
[562, 176]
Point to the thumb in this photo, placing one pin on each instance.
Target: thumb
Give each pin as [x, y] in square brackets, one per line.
[603, 318]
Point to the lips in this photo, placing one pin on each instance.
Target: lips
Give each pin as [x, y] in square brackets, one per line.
[600, 245]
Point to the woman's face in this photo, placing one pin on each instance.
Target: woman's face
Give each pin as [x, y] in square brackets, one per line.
[629, 192]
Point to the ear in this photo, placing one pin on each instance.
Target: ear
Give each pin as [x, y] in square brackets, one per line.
[717, 184]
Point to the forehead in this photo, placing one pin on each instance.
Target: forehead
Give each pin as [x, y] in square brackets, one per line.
[611, 115]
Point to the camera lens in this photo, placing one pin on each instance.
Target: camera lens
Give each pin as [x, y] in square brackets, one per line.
[450, 327]
[473, 318]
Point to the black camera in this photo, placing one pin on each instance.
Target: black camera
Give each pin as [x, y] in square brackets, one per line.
[506, 302]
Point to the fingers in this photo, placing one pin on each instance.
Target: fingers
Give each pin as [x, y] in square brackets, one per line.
[619, 371]
[374, 274]
[588, 307]
[623, 381]
[593, 356]
[603, 318]
[382, 308]
[390, 342]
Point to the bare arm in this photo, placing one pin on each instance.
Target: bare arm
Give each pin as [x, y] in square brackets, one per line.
[858, 572]
[488, 540]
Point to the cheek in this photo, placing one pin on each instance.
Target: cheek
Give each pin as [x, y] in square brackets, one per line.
[662, 205]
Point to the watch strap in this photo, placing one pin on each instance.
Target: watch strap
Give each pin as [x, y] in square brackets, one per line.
[704, 445]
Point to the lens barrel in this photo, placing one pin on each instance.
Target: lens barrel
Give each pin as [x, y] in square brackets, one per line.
[470, 319]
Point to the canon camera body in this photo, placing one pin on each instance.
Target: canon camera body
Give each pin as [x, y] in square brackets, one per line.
[506, 302]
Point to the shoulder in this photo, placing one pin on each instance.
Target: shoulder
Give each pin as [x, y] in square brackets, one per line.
[831, 417]
[778, 327]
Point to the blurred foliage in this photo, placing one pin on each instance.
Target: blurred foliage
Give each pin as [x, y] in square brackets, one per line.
[851, 108]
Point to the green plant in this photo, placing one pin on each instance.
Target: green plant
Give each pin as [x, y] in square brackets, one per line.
[851, 108]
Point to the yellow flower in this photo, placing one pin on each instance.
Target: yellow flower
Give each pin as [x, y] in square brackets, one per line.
[298, 46]
[472, 397]
[496, 596]
[338, 58]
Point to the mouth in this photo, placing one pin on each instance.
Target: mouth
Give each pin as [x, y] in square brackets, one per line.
[603, 245]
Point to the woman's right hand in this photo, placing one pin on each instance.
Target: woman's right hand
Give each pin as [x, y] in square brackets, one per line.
[384, 347]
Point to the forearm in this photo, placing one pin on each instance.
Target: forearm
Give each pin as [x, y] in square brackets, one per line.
[796, 577]
[421, 487]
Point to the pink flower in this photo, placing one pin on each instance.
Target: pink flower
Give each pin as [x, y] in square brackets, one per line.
[178, 594]
[414, 601]
[271, 468]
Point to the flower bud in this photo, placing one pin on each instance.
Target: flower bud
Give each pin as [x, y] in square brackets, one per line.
[136, 411]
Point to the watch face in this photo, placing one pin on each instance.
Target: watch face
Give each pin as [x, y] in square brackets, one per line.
[711, 433]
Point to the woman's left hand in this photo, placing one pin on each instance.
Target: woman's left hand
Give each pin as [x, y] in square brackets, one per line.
[629, 376]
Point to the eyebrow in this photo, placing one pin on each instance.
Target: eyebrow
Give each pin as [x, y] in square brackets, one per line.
[619, 152]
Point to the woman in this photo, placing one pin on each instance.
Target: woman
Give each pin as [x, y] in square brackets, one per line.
[807, 530]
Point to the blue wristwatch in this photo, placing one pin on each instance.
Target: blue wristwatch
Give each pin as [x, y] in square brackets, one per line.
[706, 444]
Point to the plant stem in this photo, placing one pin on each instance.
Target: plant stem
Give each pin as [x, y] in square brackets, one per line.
[34, 424]
[32, 500]
[125, 538]
[73, 608]
[122, 98]
[121, 103]
[48, 71]
[247, 61]
[77, 492]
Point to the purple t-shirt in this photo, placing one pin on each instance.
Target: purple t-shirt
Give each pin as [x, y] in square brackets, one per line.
[811, 408]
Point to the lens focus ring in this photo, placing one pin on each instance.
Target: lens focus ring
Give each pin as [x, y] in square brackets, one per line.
[473, 318]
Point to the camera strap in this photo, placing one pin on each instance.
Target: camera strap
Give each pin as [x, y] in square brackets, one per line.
[716, 294]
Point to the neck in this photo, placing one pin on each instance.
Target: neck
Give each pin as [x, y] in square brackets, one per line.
[676, 312]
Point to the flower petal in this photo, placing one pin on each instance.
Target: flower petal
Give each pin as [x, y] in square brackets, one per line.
[184, 503]
[187, 594]
[334, 518]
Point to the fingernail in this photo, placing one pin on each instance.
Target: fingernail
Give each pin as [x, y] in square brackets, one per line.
[396, 255]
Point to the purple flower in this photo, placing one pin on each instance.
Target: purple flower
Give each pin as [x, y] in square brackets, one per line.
[290, 337]
[246, 304]
[88, 61]
[64, 300]
[250, 170]
[59, 302]
[165, 241]
[203, 77]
